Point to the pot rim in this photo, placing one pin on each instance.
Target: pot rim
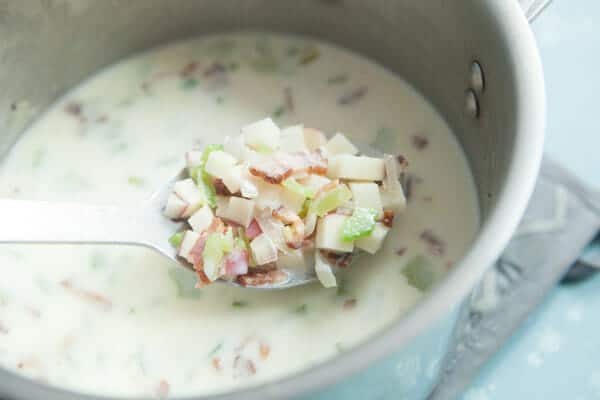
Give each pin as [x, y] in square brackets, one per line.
[491, 240]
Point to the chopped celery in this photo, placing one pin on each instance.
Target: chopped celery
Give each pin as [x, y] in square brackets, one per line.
[205, 185]
[304, 210]
[263, 149]
[360, 224]
[209, 149]
[215, 248]
[176, 239]
[421, 273]
[292, 185]
[331, 200]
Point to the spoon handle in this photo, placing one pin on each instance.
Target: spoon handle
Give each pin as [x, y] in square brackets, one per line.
[23, 221]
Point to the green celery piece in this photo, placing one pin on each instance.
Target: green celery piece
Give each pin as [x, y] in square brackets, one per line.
[206, 186]
[360, 224]
[176, 239]
[217, 245]
[209, 149]
[421, 273]
[292, 185]
[331, 200]
[305, 207]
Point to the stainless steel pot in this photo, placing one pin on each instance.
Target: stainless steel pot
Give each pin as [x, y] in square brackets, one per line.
[476, 60]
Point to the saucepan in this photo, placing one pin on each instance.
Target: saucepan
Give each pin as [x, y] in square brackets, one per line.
[475, 60]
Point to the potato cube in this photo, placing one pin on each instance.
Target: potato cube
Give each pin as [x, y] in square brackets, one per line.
[263, 133]
[219, 164]
[366, 195]
[187, 244]
[329, 234]
[240, 211]
[358, 168]
[201, 219]
[372, 243]
[292, 139]
[339, 144]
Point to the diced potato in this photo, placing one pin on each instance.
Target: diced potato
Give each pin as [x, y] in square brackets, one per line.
[233, 179]
[222, 205]
[187, 244]
[358, 168]
[315, 182]
[187, 190]
[201, 219]
[193, 158]
[292, 139]
[314, 138]
[329, 234]
[372, 243]
[263, 133]
[291, 200]
[295, 260]
[393, 199]
[310, 223]
[240, 211]
[339, 144]
[366, 195]
[175, 207]
[235, 146]
[324, 271]
[219, 164]
[263, 250]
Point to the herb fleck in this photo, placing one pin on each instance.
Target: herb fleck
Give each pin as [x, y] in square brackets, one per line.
[278, 112]
[239, 303]
[219, 99]
[301, 309]
[309, 54]
[189, 83]
[233, 66]
[420, 142]
[215, 349]
[132, 311]
[342, 289]
[136, 181]
[338, 79]
[384, 138]
[339, 347]
[436, 245]
[352, 96]
[98, 260]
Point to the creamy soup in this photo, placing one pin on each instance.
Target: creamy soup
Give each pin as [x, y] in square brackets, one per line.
[126, 321]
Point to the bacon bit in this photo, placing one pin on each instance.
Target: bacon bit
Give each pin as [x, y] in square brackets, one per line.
[215, 69]
[280, 166]
[427, 199]
[341, 260]
[420, 142]
[401, 251]
[216, 363]
[74, 109]
[220, 188]
[198, 249]
[402, 161]
[264, 350]
[349, 304]
[253, 230]
[162, 391]
[248, 366]
[202, 278]
[261, 278]
[236, 263]
[326, 188]
[188, 69]
[352, 96]
[217, 226]
[288, 99]
[295, 229]
[265, 267]
[87, 295]
[388, 218]
[102, 119]
[436, 245]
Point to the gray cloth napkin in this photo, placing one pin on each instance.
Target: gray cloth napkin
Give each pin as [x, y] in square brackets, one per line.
[562, 218]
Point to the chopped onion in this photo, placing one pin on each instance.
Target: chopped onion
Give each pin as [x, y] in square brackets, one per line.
[392, 195]
[324, 271]
[272, 228]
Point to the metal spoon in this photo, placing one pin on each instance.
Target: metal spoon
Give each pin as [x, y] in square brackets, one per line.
[23, 221]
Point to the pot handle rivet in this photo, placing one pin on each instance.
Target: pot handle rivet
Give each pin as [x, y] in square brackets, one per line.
[476, 78]
[471, 104]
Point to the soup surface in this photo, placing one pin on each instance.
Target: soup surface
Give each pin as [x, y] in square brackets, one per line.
[126, 321]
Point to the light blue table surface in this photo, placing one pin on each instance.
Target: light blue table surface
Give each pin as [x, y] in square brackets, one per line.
[556, 354]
